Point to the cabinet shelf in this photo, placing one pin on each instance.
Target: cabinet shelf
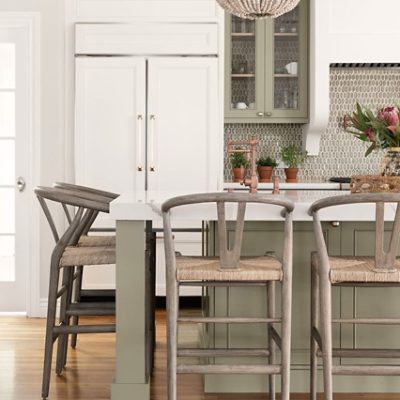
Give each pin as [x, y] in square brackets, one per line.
[286, 34]
[243, 36]
[285, 76]
[243, 75]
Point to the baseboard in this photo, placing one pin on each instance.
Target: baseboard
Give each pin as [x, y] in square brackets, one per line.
[42, 308]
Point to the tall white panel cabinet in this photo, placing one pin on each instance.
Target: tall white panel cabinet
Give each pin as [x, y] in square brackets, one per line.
[147, 123]
[148, 114]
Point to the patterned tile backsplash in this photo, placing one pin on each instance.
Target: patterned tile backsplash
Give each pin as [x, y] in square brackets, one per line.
[340, 153]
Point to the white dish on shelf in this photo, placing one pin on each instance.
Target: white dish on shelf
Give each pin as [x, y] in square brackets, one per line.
[291, 68]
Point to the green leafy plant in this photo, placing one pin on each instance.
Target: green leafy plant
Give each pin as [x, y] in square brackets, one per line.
[380, 130]
[266, 162]
[293, 156]
[238, 159]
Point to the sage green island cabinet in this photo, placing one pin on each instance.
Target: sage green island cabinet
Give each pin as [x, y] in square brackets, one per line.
[344, 238]
[266, 68]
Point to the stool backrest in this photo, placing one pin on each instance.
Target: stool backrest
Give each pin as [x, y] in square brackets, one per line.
[383, 259]
[87, 207]
[88, 193]
[229, 258]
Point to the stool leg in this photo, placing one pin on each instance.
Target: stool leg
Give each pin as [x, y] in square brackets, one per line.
[314, 324]
[50, 323]
[71, 272]
[63, 338]
[271, 343]
[286, 335]
[326, 328]
[76, 299]
[172, 336]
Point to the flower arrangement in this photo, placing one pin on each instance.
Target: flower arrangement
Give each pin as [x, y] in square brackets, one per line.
[381, 130]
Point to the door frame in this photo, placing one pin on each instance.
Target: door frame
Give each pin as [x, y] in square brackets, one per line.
[29, 23]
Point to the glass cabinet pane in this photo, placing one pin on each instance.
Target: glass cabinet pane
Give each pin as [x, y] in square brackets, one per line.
[286, 61]
[243, 64]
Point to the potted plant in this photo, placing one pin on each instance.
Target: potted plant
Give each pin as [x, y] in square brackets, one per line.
[292, 156]
[239, 163]
[265, 166]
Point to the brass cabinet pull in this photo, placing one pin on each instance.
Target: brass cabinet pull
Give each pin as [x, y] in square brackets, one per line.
[139, 142]
[151, 142]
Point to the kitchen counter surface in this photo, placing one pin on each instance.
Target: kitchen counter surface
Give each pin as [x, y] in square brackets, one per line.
[147, 206]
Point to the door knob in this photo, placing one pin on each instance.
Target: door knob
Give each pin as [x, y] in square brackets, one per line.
[268, 114]
[21, 184]
[260, 114]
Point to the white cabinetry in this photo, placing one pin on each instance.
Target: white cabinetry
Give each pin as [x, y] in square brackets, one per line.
[120, 147]
[145, 10]
[110, 126]
[148, 107]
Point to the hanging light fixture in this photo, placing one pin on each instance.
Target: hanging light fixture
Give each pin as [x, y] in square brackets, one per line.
[252, 9]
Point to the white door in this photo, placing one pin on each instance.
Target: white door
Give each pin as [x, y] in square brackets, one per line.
[14, 156]
[183, 127]
[110, 122]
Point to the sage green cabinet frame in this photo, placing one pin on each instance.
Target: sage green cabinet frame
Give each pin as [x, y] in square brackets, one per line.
[265, 74]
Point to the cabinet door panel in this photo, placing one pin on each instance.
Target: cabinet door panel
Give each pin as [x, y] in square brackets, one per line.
[287, 60]
[244, 68]
[183, 124]
[110, 123]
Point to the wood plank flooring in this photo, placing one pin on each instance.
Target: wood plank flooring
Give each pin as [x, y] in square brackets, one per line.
[91, 367]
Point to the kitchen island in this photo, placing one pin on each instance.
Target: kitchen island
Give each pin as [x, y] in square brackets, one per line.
[135, 213]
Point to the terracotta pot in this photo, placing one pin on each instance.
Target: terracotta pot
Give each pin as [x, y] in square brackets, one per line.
[291, 175]
[238, 174]
[264, 173]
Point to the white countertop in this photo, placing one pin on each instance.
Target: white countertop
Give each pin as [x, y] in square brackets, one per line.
[147, 206]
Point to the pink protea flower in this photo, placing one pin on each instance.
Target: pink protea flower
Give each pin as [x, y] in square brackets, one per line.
[370, 134]
[389, 115]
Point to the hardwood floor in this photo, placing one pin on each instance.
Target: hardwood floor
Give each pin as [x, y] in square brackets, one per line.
[91, 367]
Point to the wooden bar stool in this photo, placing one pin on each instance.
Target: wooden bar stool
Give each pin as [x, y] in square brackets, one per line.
[229, 269]
[88, 239]
[67, 254]
[326, 271]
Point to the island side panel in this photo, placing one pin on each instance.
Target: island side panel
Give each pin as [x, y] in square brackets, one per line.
[131, 379]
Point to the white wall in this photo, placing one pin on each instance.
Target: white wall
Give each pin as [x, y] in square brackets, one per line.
[52, 106]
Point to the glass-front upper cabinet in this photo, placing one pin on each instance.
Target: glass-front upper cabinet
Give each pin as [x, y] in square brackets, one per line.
[266, 68]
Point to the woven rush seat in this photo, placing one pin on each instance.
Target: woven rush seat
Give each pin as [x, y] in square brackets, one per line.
[360, 269]
[74, 255]
[88, 241]
[208, 269]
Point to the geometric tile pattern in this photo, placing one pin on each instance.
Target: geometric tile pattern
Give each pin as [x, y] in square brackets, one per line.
[340, 153]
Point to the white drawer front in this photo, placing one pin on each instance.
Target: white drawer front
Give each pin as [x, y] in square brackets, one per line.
[146, 39]
[146, 10]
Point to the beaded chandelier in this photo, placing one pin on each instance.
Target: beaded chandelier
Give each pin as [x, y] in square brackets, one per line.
[252, 9]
